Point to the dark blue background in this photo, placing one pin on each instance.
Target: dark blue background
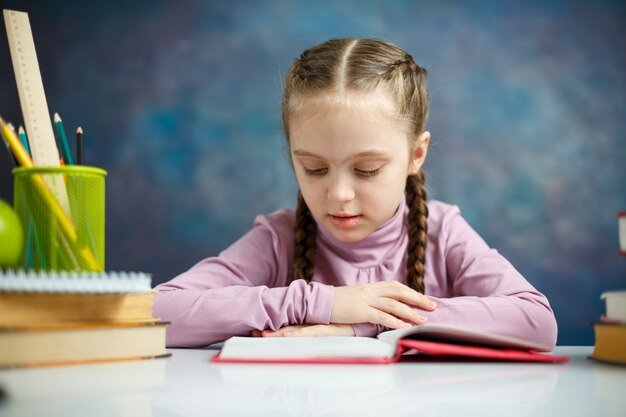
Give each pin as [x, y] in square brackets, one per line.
[180, 102]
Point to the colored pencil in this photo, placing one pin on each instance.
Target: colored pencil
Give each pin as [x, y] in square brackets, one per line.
[6, 143]
[21, 156]
[65, 146]
[11, 156]
[80, 151]
[21, 133]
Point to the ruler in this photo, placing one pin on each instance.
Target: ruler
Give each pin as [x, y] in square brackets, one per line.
[33, 101]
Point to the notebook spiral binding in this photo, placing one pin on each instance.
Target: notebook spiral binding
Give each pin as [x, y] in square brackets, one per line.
[74, 282]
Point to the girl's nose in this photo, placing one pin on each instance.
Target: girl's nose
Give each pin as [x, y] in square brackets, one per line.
[340, 189]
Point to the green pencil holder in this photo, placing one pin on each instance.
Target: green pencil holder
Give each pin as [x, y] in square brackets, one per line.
[62, 212]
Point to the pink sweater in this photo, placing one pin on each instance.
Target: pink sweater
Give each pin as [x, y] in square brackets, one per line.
[247, 286]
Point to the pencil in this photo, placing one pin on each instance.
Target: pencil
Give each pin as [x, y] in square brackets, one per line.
[11, 154]
[15, 145]
[80, 151]
[22, 135]
[65, 147]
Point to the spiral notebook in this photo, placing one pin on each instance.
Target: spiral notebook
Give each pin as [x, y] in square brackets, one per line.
[74, 282]
[48, 298]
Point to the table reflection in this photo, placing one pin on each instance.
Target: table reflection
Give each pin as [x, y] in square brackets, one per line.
[365, 390]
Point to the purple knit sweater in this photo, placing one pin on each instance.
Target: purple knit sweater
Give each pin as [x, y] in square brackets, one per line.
[247, 286]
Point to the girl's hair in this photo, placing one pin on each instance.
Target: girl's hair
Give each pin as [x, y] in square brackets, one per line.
[361, 66]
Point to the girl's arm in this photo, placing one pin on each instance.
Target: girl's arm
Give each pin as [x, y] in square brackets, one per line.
[484, 291]
[243, 289]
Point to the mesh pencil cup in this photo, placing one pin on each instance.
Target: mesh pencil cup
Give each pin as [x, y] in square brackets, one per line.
[62, 214]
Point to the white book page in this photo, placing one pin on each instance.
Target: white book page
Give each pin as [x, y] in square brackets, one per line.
[306, 347]
[615, 305]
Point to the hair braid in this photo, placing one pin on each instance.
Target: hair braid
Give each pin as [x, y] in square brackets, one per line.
[306, 245]
[418, 230]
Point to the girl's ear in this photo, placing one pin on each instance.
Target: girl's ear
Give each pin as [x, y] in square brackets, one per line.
[418, 155]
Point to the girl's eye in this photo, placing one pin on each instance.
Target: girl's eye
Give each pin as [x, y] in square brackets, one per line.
[364, 173]
[315, 172]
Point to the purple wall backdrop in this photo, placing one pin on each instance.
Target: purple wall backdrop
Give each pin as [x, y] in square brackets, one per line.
[180, 102]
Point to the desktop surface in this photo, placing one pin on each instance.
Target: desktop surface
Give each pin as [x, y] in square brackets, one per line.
[188, 384]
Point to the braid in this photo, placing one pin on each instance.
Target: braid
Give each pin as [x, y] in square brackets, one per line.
[418, 229]
[306, 245]
[406, 62]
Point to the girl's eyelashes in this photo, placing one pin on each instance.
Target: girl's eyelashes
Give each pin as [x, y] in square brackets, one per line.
[360, 172]
[315, 171]
[365, 173]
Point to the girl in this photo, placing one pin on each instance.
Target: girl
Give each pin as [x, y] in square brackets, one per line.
[364, 251]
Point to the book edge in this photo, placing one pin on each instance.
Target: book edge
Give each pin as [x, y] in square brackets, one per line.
[83, 362]
[456, 335]
[217, 358]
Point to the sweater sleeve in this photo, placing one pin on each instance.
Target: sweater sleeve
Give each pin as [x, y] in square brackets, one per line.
[242, 289]
[485, 291]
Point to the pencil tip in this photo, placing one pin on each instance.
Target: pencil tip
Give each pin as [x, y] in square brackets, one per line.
[79, 129]
[57, 118]
[21, 129]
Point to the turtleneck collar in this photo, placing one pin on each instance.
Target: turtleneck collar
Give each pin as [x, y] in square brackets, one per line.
[374, 249]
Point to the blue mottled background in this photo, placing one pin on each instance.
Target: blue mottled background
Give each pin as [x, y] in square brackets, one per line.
[180, 102]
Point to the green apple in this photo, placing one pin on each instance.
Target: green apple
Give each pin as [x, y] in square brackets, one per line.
[11, 236]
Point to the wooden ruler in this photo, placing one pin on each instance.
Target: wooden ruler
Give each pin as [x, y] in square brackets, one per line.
[33, 101]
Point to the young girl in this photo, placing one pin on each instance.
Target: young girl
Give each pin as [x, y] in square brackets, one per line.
[364, 251]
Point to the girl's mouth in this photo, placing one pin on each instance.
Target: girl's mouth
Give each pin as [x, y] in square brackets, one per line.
[345, 222]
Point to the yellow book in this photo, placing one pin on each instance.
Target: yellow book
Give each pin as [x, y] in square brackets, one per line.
[75, 344]
[610, 343]
[26, 308]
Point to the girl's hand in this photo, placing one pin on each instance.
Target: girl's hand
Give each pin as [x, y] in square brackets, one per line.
[300, 330]
[387, 303]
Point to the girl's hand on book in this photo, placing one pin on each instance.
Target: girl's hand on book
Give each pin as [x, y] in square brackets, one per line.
[310, 330]
[387, 303]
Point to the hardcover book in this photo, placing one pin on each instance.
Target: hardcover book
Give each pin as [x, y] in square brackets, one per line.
[389, 347]
[86, 343]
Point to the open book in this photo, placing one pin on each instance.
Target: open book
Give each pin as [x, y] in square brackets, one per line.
[388, 347]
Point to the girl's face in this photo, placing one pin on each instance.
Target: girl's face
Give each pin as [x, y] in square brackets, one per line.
[351, 164]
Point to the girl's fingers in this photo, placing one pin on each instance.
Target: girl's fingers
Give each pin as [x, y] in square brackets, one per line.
[380, 317]
[272, 333]
[282, 331]
[398, 309]
[303, 331]
[392, 301]
[317, 330]
[309, 330]
[400, 292]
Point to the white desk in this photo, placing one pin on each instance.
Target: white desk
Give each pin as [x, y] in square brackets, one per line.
[187, 384]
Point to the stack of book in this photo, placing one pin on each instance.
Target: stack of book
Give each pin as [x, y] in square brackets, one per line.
[50, 318]
[610, 332]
